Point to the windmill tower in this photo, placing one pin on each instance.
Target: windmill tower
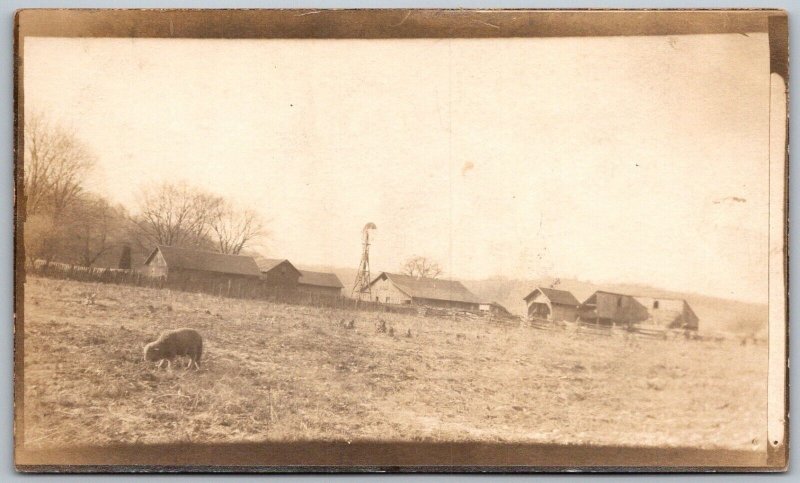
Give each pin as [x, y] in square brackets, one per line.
[361, 285]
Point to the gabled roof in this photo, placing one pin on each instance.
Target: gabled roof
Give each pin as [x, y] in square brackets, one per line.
[268, 264]
[665, 303]
[430, 288]
[613, 294]
[558, 297]
[191, 259]
[319, 279]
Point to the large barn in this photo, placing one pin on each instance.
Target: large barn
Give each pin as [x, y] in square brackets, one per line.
[394, 288]
[278, 273]
[198, 265]
[320, 283]
[552, 304]
[607, 308]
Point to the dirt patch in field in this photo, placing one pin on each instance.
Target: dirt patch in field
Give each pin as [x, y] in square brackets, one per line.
[279, 372]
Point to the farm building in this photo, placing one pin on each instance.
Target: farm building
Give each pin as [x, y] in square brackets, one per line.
[607, 308]
[198, 265]
[393, 288]
[320, 283]
[278, 272]
[669, 313]
[552, 304]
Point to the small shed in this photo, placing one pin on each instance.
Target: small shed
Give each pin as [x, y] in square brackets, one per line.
[320, 283]
[552, 304]
[394, 288]
[278, 272]
[612, 309]
[188, 264]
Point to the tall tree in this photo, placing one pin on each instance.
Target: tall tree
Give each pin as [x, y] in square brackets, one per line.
[421, 267]
[235, 229]
[92, 228]
[56, 163]
[176, 214]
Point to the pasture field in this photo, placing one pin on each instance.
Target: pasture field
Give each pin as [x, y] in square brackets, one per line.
[283, 372]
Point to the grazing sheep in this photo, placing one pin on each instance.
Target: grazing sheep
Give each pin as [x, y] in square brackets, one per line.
[173, 343]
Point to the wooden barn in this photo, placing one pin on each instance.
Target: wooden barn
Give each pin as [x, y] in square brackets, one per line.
[320, 283]
[393, 288]
[278, 272]
[198, 265]
[552, 304]
[669, 313]
[607, 308]
[612, 309]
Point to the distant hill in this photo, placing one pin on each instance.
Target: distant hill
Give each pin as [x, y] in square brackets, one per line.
[716, 314]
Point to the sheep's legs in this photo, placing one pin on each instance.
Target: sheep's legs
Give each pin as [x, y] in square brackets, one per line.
[160, 364]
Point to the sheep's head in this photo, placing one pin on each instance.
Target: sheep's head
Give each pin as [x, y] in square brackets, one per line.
[152, 352]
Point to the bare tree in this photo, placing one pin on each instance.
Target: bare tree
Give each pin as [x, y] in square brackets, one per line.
[235, 229]
[176, 214]
[421, 267]
[94, 227]
[56, 163]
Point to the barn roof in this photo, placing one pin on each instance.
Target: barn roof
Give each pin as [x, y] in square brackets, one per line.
[206, 261]
[613, 294]
[668, 303]
[558, 297]
[267, 264]
[430, 288]
[319, 279]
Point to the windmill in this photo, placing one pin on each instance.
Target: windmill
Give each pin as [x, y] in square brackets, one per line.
[361, 285]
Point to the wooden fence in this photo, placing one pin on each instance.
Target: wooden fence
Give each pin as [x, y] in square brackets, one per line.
[591, 329]
[232, 288]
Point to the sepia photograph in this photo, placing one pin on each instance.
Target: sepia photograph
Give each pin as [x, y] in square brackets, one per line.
[401, 240]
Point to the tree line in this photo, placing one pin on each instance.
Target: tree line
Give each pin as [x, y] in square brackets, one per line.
[66, 222]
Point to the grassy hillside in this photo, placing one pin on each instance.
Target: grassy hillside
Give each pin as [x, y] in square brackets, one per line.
[279, 372]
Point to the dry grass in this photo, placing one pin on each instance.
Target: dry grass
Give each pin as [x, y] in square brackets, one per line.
[278, 372]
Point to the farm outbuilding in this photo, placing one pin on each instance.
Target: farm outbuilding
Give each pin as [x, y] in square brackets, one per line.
[320, 283]
[394, 288]
[669, 313]
[612, 309]
[607, 308]
[278, 272]
[552, 304]
[199, 265]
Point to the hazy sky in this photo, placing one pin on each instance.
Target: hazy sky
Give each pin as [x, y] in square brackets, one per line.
[620, 159]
